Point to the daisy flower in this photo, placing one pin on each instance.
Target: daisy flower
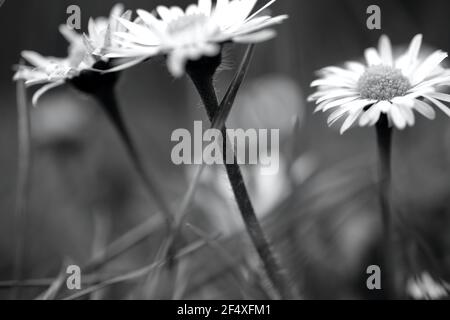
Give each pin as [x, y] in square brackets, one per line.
[386, 84]
[83, 54]
[53, 71]
[198, 31]
[101, 30]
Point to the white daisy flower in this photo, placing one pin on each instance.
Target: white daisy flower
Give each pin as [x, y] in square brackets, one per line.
[101, 30]
[198, 31]
[426, 288]
[83, 53]
[386, 84]
[54, 71]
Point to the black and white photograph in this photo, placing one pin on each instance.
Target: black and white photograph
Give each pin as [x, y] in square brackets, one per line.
[241, 151]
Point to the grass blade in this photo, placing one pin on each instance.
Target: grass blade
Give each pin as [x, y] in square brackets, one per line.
[23, 179]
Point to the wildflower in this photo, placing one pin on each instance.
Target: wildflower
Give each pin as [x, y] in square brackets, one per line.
[101, 30]
[385, 85]
[199, 31]
[84, 55]
[426, 288]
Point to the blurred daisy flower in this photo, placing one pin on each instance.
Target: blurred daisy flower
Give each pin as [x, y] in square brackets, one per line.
[101, 30]
[386, 84]
[425, 287]
[198, 31]
[83, 54]
[53, 71]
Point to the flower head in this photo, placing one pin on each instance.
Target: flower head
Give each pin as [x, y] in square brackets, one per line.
[198, 31]
[101, 30]
[386, 84]
[83, 54]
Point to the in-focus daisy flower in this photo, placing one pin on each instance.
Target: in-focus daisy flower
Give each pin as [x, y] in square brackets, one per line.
[83, 54]
[198, 31]
[426, 288]
[385, 84]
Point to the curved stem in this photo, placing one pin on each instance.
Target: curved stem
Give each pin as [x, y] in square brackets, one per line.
[384, 140]
[108, 100]
[205, 87]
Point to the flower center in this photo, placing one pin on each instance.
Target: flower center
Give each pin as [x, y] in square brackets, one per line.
[382, 83]
[187, 24]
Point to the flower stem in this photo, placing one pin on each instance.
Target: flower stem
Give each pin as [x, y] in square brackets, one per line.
[384, 140]
[204, 84]
[23, 180]
[107, 98]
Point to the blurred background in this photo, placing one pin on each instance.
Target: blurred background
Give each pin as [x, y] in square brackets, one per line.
[320, 211]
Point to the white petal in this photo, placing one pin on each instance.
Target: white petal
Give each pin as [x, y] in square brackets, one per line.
[405, 100]
[356, 67]
[336, 71]
[260, 10]
[385, 49]
[70, 35]
[384, 106]
[138, 30]
[370, 116]
[440, 96]
[125, 65]
[164, 13]
[176, 63]
[408, 114]
[256, 37]
[337, 103]
[410, 59]
[425, 109]
[335, 81]
[336, 94]
[350, 120]
[397, 117]
[428, 66]
[372, 57]
[439, 104]
[352, 106]
[36, 59]
[157, 26]
[43, 90]
[432, 81]
[205, 6]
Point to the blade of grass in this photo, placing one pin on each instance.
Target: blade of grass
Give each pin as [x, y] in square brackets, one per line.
[23, 180]
[142, 272]
[126, 242]
[55, 287]
[226, 257]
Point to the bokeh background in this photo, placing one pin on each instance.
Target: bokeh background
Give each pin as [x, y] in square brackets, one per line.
[320, 211]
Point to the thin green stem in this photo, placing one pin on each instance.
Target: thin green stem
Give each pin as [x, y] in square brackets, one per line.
[108, 100]
[384, 140]
[204, 84]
